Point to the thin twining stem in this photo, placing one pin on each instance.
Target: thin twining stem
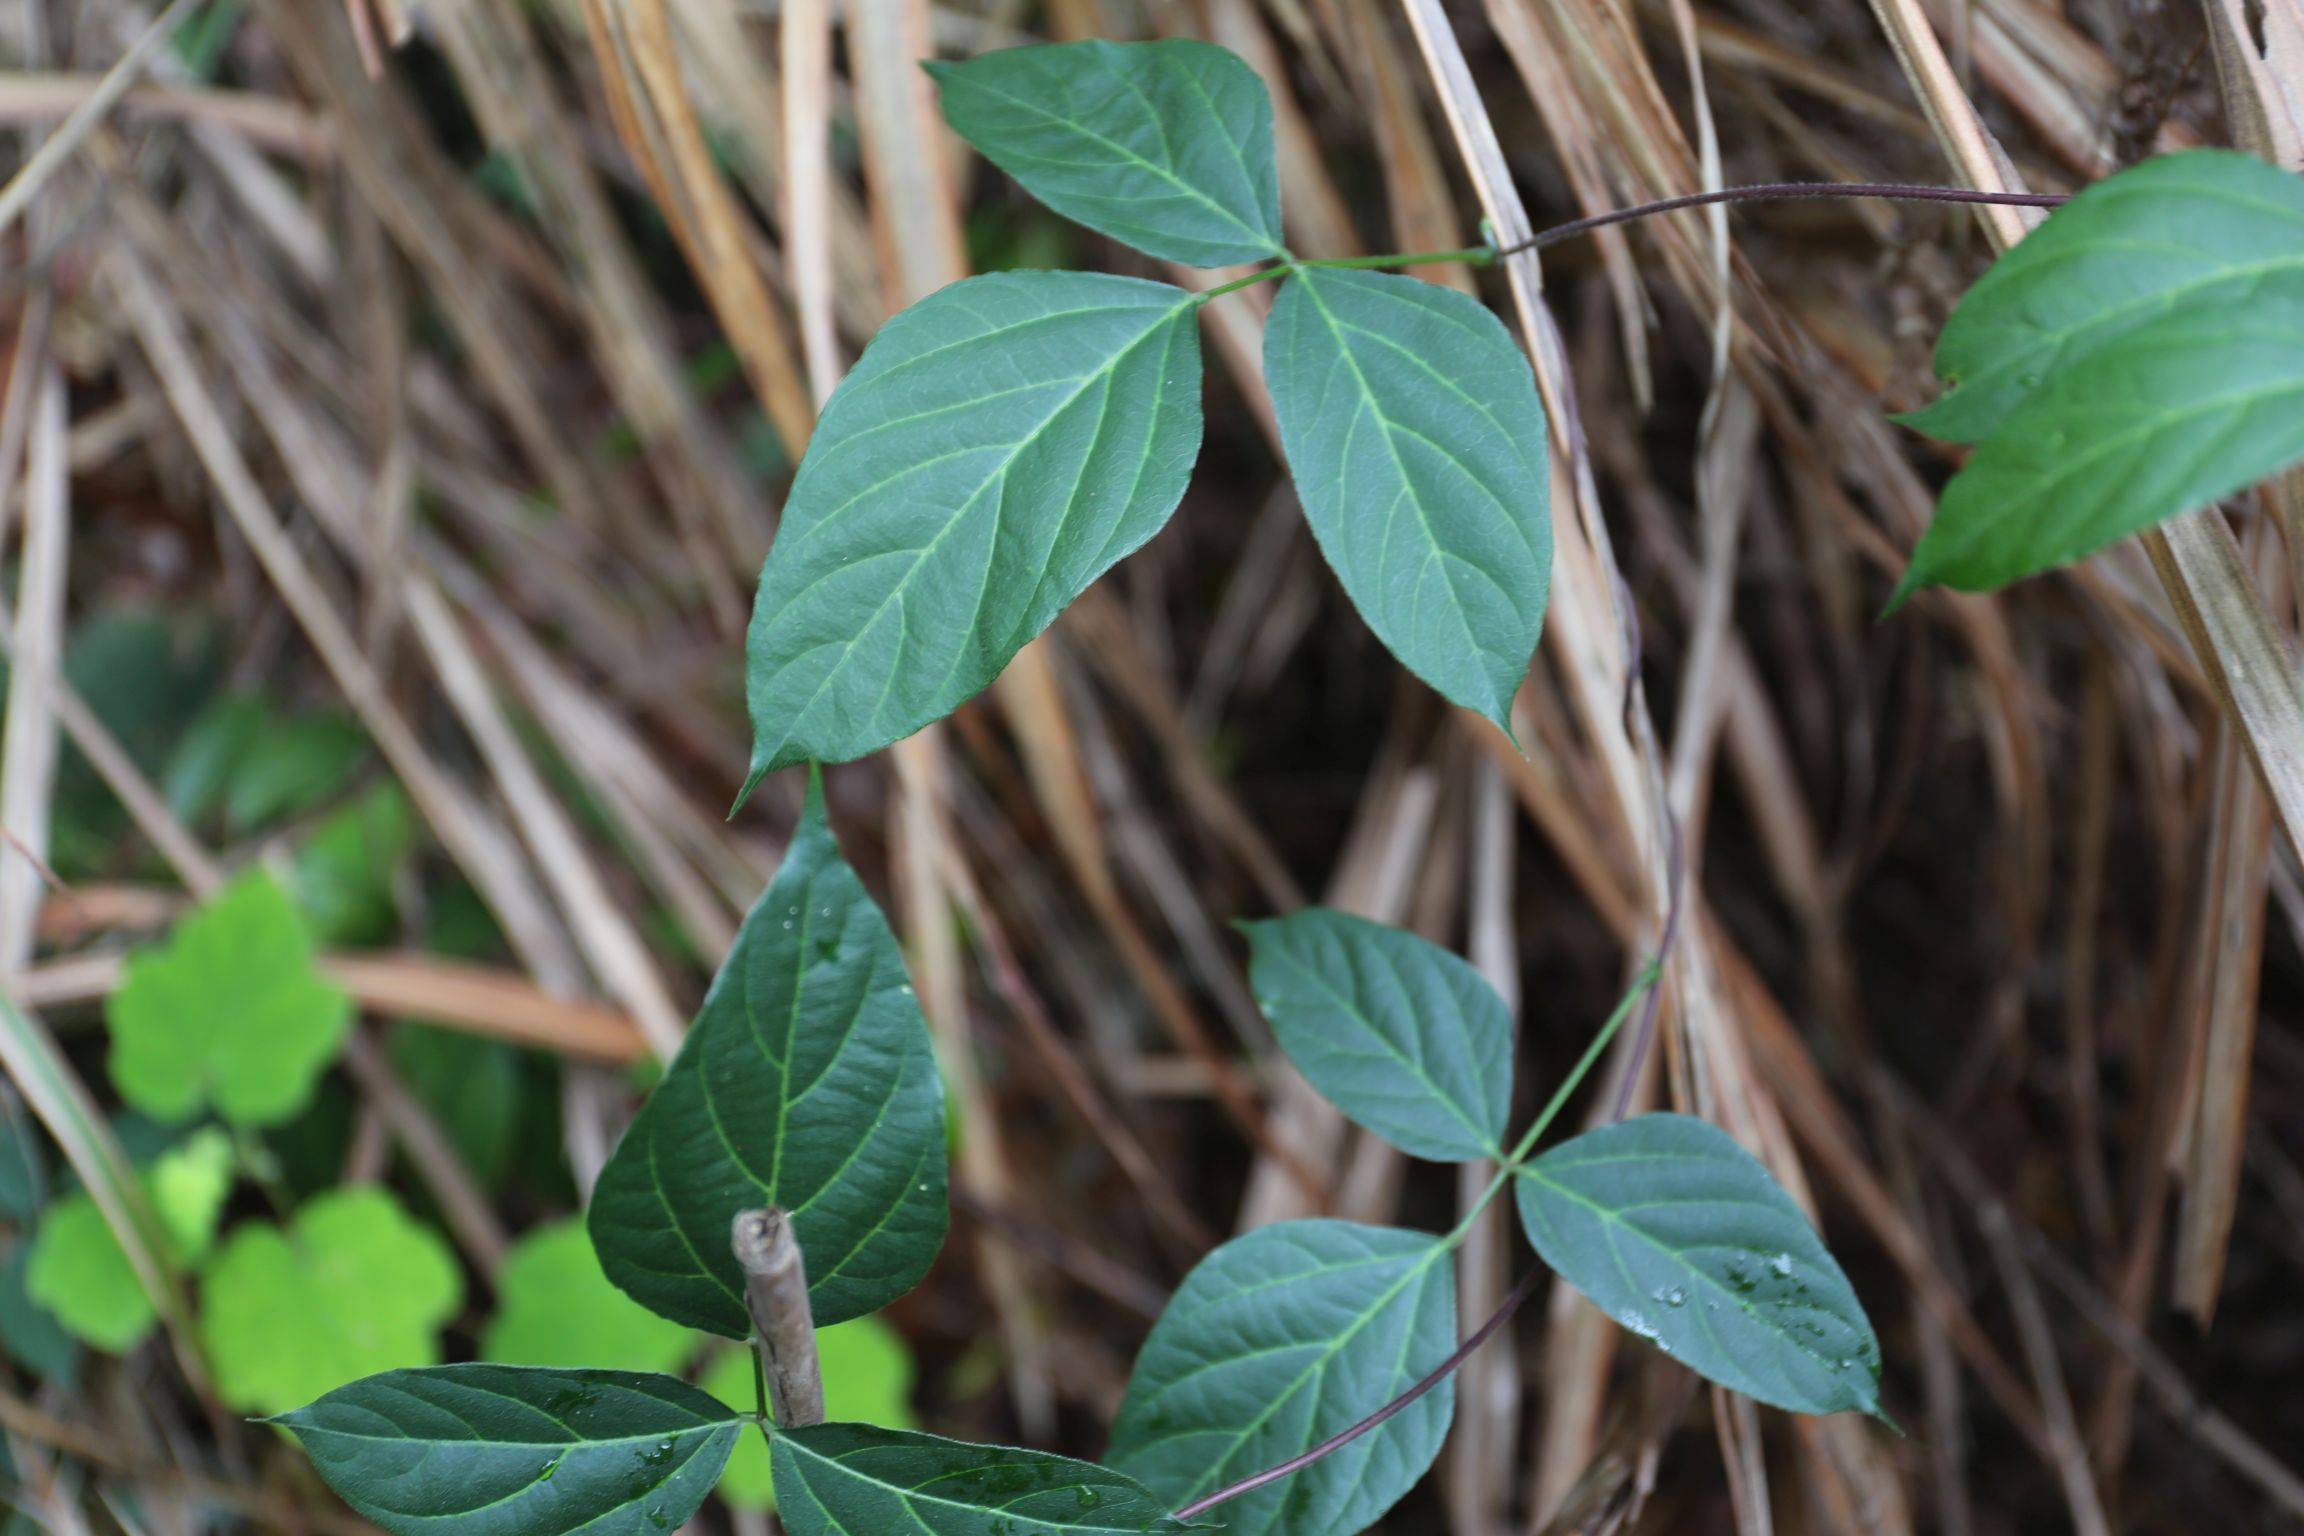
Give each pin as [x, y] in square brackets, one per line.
[1343, 1438]
[1783, 192]
[1766, 192]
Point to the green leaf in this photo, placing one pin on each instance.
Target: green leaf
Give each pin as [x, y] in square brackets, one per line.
[478, 1091]
[555, 1307]
[853, 1479]
[1412, 428]
[1683, 1238]
[77, 1269]
[345, 871]
[868, 1376]
[352, 1286]
[2206, 228]
[230, 1012]
[807, 1083]
[1277, 1341]
[2162, 418]
[1167, 146]
[1403, 1036]
[1000, 445]
[497, 1450]
[78, 1272]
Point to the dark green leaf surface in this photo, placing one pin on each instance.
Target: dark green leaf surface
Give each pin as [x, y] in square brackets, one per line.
[1277, 1341]
[2163, 418]
[2206, 228]
[1000, 445]
[1401, 1035]
[860, 1480]
[500, 1450]
[1681, 1236]
[1412, 428]
[807, 1083]
[1167, 146]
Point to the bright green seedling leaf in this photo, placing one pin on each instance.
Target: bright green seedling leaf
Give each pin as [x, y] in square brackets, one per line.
[1167, 146]
[230, 1012]
[1403, 1036]
[1681, 1236]
[1000, 445]
[77, 1269]
[868, 1375]
[2207, 228]
[1277, 1341]
[847, 1479]
[555, 1307]
[78, 1272]
[2163, 418]
[807, 1083]
[353, 1286]
[497, 1450]
[1412, 428]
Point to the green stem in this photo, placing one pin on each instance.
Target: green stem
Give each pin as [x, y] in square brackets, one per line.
[1568, 1085]
[1474, 255]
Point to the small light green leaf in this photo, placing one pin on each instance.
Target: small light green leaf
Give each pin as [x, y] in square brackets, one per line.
[497, 1450]
[807, 1083]
[1277, 1341]
[849, 1479]
[2205, 228]
[1682, 1237]
[78, 1272]
[1412, 428]
[230, 1012]
[2164, 417]
[353, 1286]
[1000, 445]
[555, 1307]
[77, 1269]
[868, 1374]
[1400, 1034]
[1167, 146]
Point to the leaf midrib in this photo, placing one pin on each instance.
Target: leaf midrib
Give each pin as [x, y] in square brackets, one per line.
[1007, 462]
[1319, 1363]
[1270, 243]
[908, 1495]
[1608, 1216]
[1485, 1140]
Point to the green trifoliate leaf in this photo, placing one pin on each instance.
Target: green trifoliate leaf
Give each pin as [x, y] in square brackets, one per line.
[353, 1286]
[847, 1479]
[230, 1013]
[868, 1373]
[555, 1307]
[1277, 1341]
[1167, 146]
[77, 1269]
[496, 1450]
[2164, 417]
[1683, 1238]
[1400, 1034]
[1000, 445]
[807, 1083]
[1417, 443]
[2208, 227]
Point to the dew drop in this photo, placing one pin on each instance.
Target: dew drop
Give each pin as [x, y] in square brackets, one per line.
[1671, 1295]
[1782, 1264]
